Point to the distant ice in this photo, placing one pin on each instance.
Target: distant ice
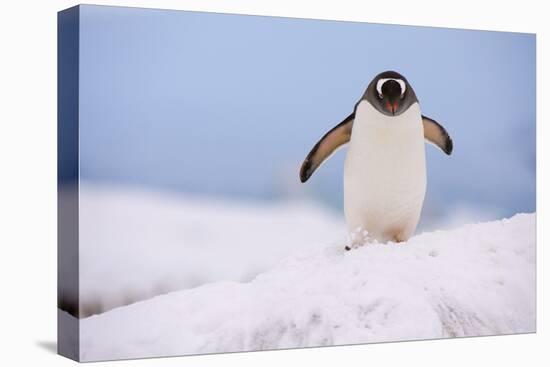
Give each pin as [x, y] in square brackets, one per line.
[475, 280]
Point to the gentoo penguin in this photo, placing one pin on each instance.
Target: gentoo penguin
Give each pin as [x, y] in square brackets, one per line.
[385, 166]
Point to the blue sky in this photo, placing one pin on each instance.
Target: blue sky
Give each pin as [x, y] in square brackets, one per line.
[229, 105]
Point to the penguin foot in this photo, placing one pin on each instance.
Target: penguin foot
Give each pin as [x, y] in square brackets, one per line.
[354, 246]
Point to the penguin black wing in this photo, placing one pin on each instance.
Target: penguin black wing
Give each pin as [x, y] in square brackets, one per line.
[437, 135]
[329, 143]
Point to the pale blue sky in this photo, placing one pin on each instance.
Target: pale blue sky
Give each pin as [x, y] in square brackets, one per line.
[230, 105]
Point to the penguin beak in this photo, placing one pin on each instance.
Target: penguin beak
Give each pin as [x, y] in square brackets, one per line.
[392, 106]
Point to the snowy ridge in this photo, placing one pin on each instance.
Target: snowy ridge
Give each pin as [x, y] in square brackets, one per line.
[475, 280]
[136, 244]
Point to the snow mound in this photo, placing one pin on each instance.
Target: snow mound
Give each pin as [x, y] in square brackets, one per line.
[475, 280]
[136, 244]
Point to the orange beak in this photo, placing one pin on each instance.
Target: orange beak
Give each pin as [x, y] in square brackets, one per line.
[392, 107]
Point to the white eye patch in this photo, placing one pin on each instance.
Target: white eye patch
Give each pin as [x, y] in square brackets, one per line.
[381, 82]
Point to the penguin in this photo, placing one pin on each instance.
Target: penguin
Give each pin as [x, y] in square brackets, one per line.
[385, 165]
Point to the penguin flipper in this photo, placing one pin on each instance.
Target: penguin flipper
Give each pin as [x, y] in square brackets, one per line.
[329, 143]
[437, 135]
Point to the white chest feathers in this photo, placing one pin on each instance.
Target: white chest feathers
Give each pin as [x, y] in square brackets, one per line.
[385, 174]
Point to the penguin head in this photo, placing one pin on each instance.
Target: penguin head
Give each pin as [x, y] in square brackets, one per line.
[390, 93]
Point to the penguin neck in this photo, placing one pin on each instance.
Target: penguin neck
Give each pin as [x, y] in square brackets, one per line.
[369, 118]
[371, 125]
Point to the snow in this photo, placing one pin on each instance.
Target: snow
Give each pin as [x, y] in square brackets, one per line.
[475, 280]
[136, 244]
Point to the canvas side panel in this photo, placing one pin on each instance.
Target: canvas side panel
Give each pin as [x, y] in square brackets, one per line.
[67, 182]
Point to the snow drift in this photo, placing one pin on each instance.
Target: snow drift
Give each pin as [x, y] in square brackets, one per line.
[136, 244]
[475, 280]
